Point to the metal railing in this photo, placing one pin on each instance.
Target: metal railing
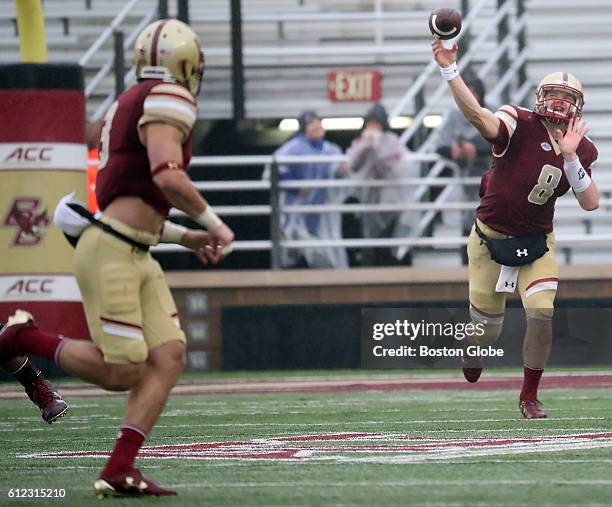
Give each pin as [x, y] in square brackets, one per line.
[377, 18]
[275, 209]
[415, 91]
[506, 39]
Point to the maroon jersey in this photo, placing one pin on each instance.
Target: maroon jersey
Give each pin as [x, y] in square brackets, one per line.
[518, 193]
[124, 164]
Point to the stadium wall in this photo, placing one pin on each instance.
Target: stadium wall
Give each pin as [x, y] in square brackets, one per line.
[321, 299]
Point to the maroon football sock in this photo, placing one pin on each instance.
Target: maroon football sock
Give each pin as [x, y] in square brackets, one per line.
[27, 373]
[35, 342]
[531, 380]
[126, 448]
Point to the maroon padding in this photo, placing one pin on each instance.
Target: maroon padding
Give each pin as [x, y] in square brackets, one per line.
[34, 116]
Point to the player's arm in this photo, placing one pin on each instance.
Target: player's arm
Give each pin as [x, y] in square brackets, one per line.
[164, 148]
[584, 187]
[169, 113]
[484, 120]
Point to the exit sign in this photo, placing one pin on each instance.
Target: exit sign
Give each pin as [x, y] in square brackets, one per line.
[356, 85]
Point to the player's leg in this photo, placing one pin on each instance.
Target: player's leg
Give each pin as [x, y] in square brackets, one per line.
[147, 399]
[21, 336]
[537, 287]
[144, 406]
[486, 306]
[40, 390]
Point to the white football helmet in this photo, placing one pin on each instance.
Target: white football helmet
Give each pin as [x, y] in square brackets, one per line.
[170, 48]
[559, 81]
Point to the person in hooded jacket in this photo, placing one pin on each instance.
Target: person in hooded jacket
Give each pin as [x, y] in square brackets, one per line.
[378, 153]
[310, 140]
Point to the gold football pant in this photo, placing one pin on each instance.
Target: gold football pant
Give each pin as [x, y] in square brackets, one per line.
[127, 302]
[537, 285]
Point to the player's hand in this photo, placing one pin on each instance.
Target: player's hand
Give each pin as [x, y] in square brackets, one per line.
[444, 57]
[222, 235]
[372, 137]
[206, 247]
[568, 142]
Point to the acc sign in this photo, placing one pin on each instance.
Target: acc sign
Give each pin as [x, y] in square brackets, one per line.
[353, 85]
[43, 287]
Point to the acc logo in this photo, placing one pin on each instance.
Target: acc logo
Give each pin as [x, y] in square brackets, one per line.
[23, 214]
[29, 154]
[546, 146]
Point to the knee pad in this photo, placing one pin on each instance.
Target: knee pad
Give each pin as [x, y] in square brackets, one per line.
[488, 324]
[540, 305]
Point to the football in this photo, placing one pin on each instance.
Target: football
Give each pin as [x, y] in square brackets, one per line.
[445, 23]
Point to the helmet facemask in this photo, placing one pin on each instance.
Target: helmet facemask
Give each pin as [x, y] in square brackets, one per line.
[193, 76]
[545, 107]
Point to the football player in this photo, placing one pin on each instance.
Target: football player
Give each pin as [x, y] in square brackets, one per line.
[145, 145]
[538, 155]
[40, 390]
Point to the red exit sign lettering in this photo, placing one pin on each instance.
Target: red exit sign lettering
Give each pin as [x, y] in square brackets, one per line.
[358, 85]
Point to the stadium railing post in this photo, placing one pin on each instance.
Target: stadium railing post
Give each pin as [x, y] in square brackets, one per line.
[162, 9]
[183, 11]
[118, 63]
[275, 229]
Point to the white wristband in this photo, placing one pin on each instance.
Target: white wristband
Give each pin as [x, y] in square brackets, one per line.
[209, 219]
[172, 233]
[576, 175]
[451, 72]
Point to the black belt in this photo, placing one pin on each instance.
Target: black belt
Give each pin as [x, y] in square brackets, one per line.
[85, 213]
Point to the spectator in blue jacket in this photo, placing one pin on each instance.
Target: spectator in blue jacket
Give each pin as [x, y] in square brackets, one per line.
[310, 140]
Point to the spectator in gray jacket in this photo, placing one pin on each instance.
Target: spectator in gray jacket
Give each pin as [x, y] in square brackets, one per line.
[377, 153]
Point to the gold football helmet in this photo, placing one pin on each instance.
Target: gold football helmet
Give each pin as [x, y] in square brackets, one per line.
[170, 48]
[565, 82]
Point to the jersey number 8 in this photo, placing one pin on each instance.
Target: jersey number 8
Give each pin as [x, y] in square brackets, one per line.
[548, 180]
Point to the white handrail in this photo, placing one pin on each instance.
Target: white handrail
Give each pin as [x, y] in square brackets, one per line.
[424, 76]
[511, 72]
[427, 145]
[263, 209]
[428, 181]
[212, 186]
[240, 160]
[108, 31]
[463, 62]
[522, 92]
[284, 17]
[108, 65]
[561, 240]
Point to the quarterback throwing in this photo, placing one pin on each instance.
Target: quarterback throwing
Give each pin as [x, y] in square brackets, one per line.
[538, 155]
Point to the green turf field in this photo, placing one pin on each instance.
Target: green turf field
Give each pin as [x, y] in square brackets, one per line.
[371, 448]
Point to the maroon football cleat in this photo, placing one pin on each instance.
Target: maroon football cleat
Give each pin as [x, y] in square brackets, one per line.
[8, 333]
[472, 366]
[532, 409]
[44, 394]
[130, 483]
